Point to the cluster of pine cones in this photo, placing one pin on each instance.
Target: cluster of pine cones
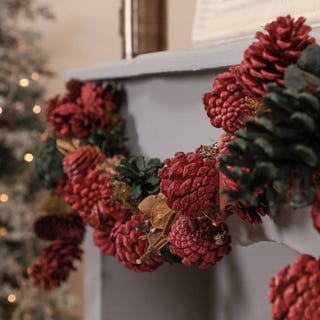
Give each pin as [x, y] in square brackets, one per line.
[147, 212]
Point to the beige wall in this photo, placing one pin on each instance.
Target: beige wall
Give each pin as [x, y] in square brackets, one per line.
[87, 32]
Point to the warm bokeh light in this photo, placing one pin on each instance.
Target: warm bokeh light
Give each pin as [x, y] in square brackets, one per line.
[26, 316]
[35, 75]
[28, 157]
[12, 298]
[3, 232]
[36, 109]
[21, 45]
[24, 82]
[4, 197]
[1, 110]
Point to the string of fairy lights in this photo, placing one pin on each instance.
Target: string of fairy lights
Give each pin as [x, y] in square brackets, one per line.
[28, 157]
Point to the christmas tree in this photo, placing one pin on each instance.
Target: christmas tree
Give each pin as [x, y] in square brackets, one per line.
[22, 63]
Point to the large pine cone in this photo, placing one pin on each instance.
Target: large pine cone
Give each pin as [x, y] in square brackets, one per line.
[54, 264]
[250, 214]
[60, 227]
[295, 290]
[266, 60]
[81, 160]
[190, 182]
[132, 243]
[92, 200]
[226, 104]
[199, 242]
[278, 153]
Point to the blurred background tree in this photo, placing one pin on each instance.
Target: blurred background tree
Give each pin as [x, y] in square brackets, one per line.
[22, 63]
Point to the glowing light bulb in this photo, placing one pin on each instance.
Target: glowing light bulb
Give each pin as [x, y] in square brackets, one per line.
[4, 197]
[3, 232]
[1, 110]
[28, 157]
[12, 298]
[24, 82]
[36, 109]
[35, 75]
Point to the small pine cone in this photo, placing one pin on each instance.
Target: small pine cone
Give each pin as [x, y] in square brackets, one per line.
[315, 212]
[105, 240]
[225, 104]
[295, 290]
[73, 87]
[48, 164]
[91, 198]
[54, 264]
[132, 243]
[198, 242]
[60, 227]
[267, 59]
[190, 182]
[81, 160]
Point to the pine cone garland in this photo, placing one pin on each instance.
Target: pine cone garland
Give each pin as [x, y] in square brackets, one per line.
[131, 244]
[81, 160]
[55, 264]
[60, 227]
[198, 242]
[190, 182]
[48, 164]
[226, 103]
[266, 60]
[295, 290]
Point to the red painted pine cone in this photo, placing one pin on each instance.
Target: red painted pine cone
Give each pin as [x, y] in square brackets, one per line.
[295, 290]
[198, 242]
[60, 227]
[92, 200]
[131, 245]
[190, 182]
[105, 240]
[81, 160]
[80, 116]
[54, 264]
[267, 59]
[225, 104]
[315, 212]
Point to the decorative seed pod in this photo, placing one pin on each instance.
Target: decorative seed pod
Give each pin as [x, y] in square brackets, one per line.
[295, 291]
[91, 198]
